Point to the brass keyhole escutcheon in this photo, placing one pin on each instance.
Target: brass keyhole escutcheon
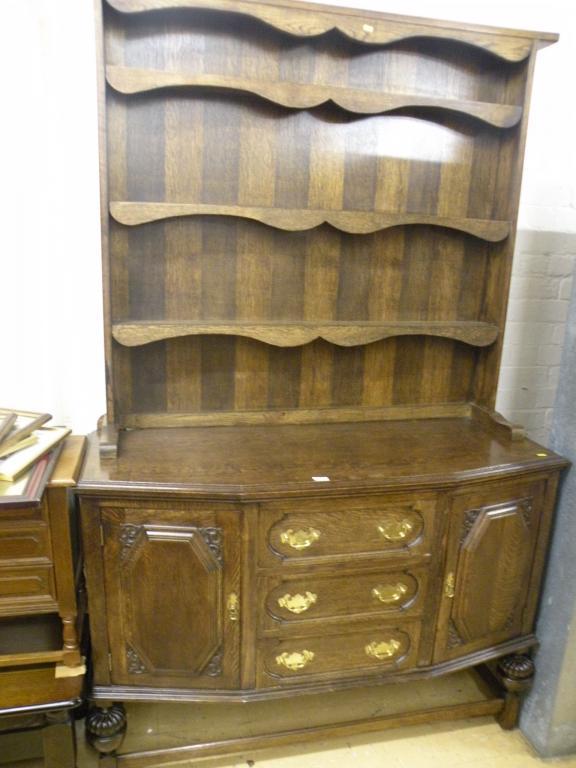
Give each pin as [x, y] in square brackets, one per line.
[233, 607]
[450, 585]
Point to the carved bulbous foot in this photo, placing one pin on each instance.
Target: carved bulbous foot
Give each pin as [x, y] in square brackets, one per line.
[516, 674]
[517, 671]
[106, 727]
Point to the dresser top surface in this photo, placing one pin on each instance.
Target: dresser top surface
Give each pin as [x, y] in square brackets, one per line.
[268, 461]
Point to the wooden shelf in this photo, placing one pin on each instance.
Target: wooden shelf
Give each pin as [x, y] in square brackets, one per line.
[510, 45]
[294, 220]
[293, 334]
[256, 198]
[305, 96]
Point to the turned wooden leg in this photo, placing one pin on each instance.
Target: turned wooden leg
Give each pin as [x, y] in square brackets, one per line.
[72, 657]
[105, 730]
[516, 674]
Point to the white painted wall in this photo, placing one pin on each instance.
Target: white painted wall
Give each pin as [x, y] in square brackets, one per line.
[50, 306]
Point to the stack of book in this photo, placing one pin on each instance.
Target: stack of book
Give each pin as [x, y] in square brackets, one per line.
[29, 449]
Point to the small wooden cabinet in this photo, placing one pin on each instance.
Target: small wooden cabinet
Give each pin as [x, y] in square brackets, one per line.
[40, 571]
[42, 612]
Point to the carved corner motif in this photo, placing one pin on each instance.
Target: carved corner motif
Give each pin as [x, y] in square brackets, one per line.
[509, 623]
[525, 507]
[134, 663]
[128, 535]
[469, 519]
[213, 538]
[454, 639]
[214, 666]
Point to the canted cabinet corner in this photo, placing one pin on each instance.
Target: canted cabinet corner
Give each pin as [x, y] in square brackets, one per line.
[492, 542]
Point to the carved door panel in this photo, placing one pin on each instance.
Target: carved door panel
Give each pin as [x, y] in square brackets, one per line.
[490, 552]
[172, 587]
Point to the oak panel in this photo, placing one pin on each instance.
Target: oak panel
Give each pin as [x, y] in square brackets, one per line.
[284, 376]
[386, 140]
[491, 549]
[152, 559]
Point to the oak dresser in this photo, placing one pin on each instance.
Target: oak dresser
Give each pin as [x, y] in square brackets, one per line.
[300, 484]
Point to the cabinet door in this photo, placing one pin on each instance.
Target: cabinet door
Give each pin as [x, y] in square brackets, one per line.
[172, 587]
[490, 552]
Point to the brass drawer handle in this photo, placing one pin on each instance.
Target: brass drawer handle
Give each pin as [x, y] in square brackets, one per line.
[390, 593]
[384, 649]
[300, 539]
[396, 529]
[297, 603]
[295, 660]
[233, 606]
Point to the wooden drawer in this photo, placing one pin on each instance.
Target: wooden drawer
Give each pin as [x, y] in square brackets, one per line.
[23, 542]
[33, 513]
[336, 529]
[306, 601]
[28, 588]
[384, 648]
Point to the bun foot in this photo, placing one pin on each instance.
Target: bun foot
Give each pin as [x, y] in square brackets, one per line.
[516, 674]
[105, 731]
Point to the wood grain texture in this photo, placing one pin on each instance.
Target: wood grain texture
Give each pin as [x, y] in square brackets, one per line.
[299, 96]
[281, 460]
[127, 693]
[288, 18]
[353, 222]
[350, 528]
[496, 422]
[139, 556]
[297, 416]
[247, 744]
[38, 687]
[310, 237]
[340, 655]
[231, 210]
[491, 546]
[67, 470]
[61, 506]
[321, 601]
[346, 334]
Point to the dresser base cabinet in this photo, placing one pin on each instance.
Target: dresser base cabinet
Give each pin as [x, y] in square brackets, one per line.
[203, 589]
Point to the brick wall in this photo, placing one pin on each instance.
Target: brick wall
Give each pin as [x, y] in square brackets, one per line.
[544, 266]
